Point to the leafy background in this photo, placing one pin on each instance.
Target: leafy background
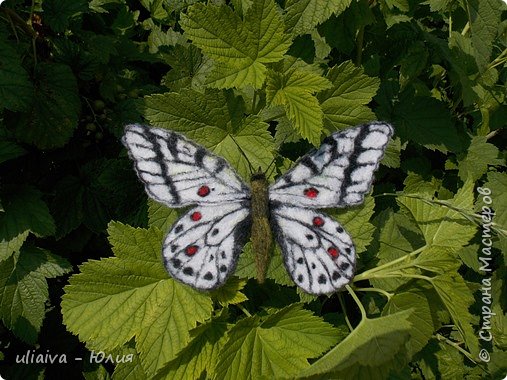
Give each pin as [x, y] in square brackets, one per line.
[80, 266]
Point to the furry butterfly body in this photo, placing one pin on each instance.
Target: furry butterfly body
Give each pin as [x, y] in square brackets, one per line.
[203, 246]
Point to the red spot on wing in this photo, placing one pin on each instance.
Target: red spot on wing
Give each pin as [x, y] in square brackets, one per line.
[318, 221]
[333, 252]
[196, 216]
[311, 192]
[191, 250]
[203, 191]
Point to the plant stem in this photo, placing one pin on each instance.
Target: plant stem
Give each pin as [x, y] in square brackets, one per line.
[456, 346]
[358, 302]
[344, 308]
[245, 311]
[376, 290]
[367, 274]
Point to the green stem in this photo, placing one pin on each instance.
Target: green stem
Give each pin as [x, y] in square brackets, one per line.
[376, 290]
[359, 46]
[456, 346]
[344, 308]
[245, 311]
[368, 273]
[358, 302]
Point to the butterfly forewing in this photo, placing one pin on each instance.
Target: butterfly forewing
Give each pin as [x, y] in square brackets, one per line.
[339, 173]
[177, 172]
[203, 246]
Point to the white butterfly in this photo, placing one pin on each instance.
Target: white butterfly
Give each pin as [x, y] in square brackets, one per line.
[203, 246]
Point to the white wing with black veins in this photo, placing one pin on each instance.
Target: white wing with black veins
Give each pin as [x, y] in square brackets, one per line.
[203, 246]
[317, 252]
[339, 173]
[178, 172]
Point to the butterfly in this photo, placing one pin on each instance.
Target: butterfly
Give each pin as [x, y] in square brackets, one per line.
[203, 245]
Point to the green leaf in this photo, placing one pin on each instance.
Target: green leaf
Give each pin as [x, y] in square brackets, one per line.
[161, 216]
[356, 221]
[213, 120]
[497, 183]
[16, 90]
[53, 114]
[60, 13]
[202, 117]
[420, 320]
[457, 298]
[480, 154]
[265, 343]
[294, 90]
[24, 210]
[344, 105]
[186, 63]
[442, 226]
[130, 295]
[67, 205]
[201, 354]
[25, 289]
[432, 129]
[240, 48]
[485, 15]
[368, 348]
[254, 139]
[302, 16]
[10, 150]
[229, 293]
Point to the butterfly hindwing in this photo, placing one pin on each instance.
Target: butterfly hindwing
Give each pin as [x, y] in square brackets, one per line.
[339, 173]
[203, 246]
[178, 172]
[317, 252]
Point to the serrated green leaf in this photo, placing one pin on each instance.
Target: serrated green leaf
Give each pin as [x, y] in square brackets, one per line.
[255, 141]
[202, 117]
[434, 129]
[420, 320]
[457, 298]
[356, 221]
[53, 114]
[59, 13]
[25, 290]
[442, 226]
[392, 154]
[16, 90]
[161, 216]
[186, 61]
[67, 206]
[373, 343]
[496, 184]
[442, 360]
[397, 237]
[294, 90]
[264, 343]
[202, 352]
[484, 18]
[130, 295]
[480, 154]
[132, 370]
[240, 48]
[9, 149]
[8, 247]
[344, 105]
[24, 210]
[302, 16]
[229, 293]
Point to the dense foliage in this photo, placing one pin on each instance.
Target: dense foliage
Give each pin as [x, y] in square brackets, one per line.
[80, 266]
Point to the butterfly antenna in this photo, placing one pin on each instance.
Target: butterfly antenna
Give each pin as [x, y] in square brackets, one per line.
[244, 155]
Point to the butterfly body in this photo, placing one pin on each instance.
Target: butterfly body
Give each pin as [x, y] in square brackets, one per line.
[203, 246]
[262, 238]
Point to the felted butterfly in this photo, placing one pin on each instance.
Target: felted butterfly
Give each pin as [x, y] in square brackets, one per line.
[203, 246]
